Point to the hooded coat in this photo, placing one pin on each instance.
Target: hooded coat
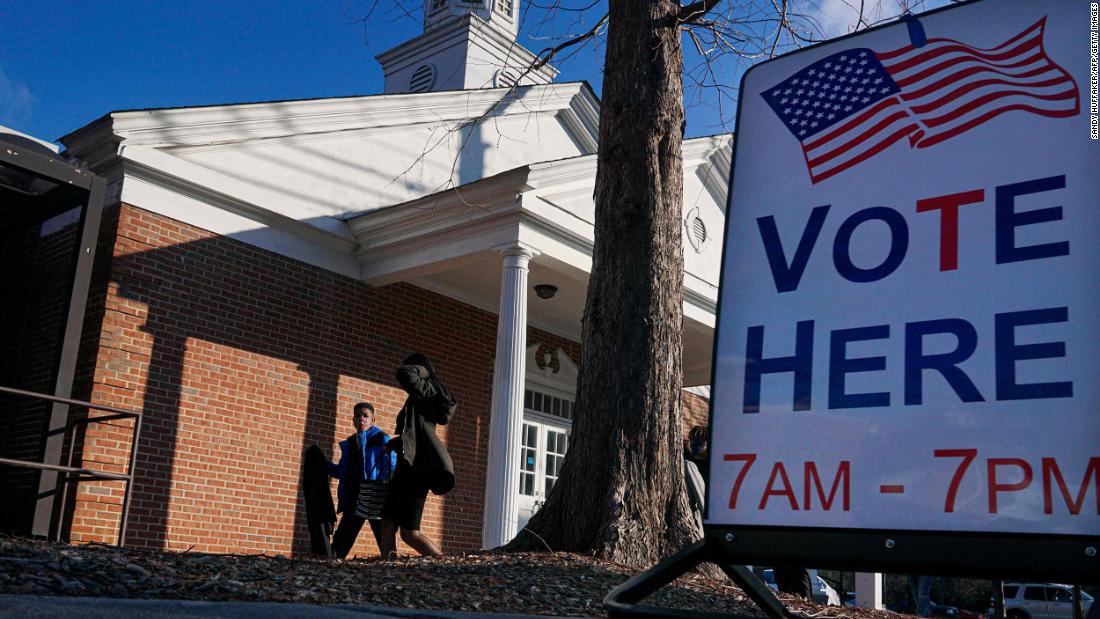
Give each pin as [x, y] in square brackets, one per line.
[429, 404]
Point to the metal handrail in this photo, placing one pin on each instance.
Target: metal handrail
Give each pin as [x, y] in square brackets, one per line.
[71, 474]
[69, 401]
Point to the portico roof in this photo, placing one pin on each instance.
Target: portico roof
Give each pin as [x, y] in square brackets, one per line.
[449, 241]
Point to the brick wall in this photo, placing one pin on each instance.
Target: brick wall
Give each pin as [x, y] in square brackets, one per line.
[240, 358]
[696, 411]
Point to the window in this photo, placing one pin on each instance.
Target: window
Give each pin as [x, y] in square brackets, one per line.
[557, 443]
[1056, 594]
[1035, 593]
[538, 402]
[505, 6]
[528, 459]
[1010, 591]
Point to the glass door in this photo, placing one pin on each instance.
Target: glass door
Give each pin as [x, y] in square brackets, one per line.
[542, 451]
[527, 501]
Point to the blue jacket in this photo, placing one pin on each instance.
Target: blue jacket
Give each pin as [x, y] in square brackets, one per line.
[349, 470]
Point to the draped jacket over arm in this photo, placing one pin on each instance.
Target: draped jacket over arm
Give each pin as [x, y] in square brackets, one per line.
[429, 404]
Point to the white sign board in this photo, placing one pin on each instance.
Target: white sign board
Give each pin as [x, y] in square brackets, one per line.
[909, 323]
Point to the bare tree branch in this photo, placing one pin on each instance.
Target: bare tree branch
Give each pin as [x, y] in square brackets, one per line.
[696, 11]
[549, 53]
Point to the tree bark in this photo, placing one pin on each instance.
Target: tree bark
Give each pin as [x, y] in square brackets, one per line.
[620, 494]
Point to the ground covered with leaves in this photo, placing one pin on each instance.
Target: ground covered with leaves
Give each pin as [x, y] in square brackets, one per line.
[557, 584]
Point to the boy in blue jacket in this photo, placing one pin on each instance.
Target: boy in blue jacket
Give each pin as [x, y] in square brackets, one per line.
[361, 457]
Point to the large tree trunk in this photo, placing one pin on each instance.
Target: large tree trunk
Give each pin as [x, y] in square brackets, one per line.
[620, 494]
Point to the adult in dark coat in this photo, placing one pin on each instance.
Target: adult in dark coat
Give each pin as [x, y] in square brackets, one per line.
[424, 463]
[362, 456]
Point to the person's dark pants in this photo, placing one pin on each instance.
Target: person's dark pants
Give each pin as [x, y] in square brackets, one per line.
[794, 580]
[344, 537]
[919, 589]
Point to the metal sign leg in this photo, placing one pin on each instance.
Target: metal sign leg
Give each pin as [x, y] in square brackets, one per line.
[622, 600]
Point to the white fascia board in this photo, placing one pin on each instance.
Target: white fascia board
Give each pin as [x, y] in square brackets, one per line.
[698, 150]
[152, 196]
[418, 218]
[96, 144]
[551, 174]
[235, 123]
[698, 307]
[710, 159]
[449, 251]
[710, 153]
[552, 245]
[707, 292]
[161, 183]
[582, 119]
[419, 237]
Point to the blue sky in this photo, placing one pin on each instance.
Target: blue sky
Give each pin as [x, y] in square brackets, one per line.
[64, 63]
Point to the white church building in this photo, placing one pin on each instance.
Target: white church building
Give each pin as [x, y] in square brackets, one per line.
[265, 266]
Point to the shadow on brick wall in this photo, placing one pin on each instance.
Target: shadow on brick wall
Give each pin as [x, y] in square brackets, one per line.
[239, 359]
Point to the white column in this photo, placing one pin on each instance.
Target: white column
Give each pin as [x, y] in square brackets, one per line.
[506, 414]
[869, 590]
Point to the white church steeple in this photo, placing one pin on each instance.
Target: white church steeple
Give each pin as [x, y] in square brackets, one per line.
[500, 13]
[466, 44]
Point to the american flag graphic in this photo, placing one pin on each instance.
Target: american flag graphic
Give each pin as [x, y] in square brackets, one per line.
[852, 105]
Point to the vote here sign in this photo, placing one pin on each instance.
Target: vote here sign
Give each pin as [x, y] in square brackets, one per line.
[909, 323]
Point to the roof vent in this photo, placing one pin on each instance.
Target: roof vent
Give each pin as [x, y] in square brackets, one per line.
[699, 230]
[696, 229]
[506, 78]
[422, 79]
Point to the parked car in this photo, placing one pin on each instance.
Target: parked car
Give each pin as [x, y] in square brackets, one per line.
[1041, 601]
[823, 593]
[941, 610]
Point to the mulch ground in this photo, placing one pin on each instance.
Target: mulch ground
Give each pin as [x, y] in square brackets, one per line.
[558, 584]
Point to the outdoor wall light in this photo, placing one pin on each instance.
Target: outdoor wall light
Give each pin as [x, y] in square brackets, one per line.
[546, 291]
